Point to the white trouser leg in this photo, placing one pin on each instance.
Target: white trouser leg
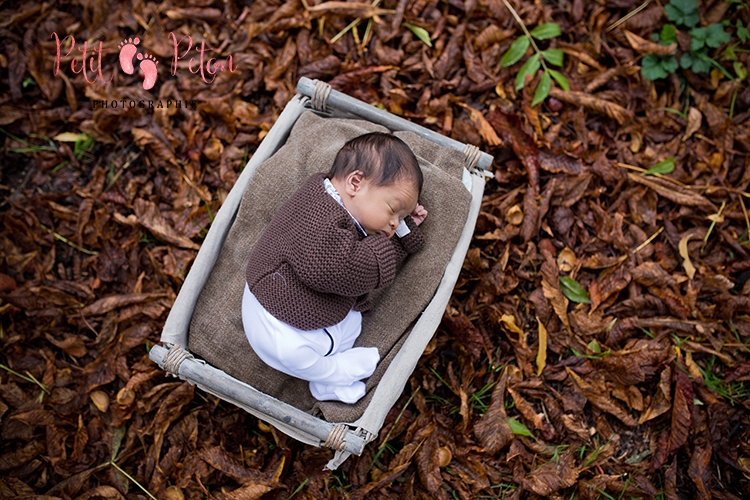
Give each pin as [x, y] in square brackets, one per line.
[302, 353]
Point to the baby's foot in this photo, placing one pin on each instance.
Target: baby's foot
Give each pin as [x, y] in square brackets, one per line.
[148, 66]
[346, 393]
[361, 361]
[127, 51]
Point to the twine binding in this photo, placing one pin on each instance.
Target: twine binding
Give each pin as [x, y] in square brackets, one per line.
[319, 97]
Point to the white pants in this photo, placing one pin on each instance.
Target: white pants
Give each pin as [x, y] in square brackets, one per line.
[325, 357]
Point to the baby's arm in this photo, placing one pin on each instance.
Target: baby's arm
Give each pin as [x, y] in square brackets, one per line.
[340, 263]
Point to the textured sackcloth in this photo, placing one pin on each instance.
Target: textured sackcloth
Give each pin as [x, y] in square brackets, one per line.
[216, 331]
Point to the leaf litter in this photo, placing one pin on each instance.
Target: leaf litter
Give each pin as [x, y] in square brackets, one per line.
[597, 343]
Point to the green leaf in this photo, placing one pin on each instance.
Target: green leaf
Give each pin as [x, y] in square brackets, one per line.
[515, 52]
[595, 347]
[117, 435]
[420, 33]
[651, 67]
[553, 56]
[668, 34]
[669, 63]
[686, 61]
[560, 79]
[683, 12]
[701, 62]
[574, 291]
[740, 69]
[698, 40]
[546, 31]
[518, 428]
[542, 90]
[665, 166]
[742, 32]
[529, 68]
[716, 36]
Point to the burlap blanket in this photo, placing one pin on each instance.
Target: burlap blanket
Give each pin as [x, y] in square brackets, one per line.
[216, 332]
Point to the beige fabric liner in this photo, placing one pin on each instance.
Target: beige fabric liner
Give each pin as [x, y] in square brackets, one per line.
[216, 332]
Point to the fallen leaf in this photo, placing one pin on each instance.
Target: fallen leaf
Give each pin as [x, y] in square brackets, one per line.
[695, 119]
[686, 262]
[644, 46]
[552, 476]
[541, 357]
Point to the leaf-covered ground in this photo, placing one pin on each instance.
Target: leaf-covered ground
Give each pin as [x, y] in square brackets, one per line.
[597, 344]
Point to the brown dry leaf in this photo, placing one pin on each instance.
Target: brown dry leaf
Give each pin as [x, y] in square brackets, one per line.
[427, 465]
[552, 292]
[143, 138]
[149, 217]
[492, 430]
[354, 9]
[597, 396]
[107, 304]
[661, 402]
[652, 274]
[21, 456]
[686, 262]
[541, 357]
[530, 415]
[673, 192]
[509, 126]
[531, 221]
[644, 46]
[168, 412]
[614, 111]
[72, 345]
[384, 480]
[699, 470]
[695, 119]
[552, 476]
[485, 129]
[639, 361]
[560, 163]
[222, 461]
[102, 492]
[681, 411]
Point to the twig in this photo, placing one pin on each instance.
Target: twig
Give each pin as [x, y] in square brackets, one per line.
[29, 378]
[67, 241]
[113, 464]
[628, 15]
[713, 218]
[747, 220]
[639, 169]
[649, 240]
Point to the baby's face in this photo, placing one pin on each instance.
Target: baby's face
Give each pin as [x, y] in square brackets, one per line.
[379, 209]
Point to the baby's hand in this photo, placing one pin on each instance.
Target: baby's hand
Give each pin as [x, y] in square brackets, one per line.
[419, 214]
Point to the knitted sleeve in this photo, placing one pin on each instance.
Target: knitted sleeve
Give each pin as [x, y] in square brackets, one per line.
[414, 241]
[336, 261]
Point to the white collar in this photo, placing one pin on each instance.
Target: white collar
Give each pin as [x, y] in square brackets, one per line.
[331, 190]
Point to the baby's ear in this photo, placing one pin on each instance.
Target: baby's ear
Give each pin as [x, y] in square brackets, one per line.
[354, 181]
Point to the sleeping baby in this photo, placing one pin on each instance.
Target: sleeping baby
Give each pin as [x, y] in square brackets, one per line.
[340, 236]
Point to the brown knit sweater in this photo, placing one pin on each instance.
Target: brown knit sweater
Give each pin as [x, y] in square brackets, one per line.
[311, 265]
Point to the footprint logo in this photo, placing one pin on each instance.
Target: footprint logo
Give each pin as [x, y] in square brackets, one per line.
[127, 51]
[148, 66]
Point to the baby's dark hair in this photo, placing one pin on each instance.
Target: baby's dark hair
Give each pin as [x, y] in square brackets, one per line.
[382, 157]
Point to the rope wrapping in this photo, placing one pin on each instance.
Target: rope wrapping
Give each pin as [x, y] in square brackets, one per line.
[319, 97]
[471, 156]
[174, 358]
[335, 439]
